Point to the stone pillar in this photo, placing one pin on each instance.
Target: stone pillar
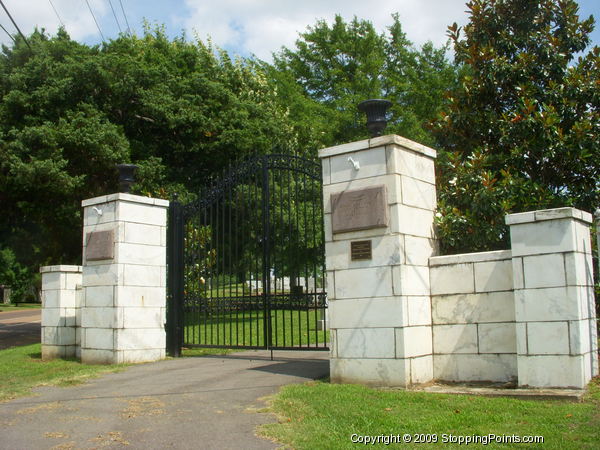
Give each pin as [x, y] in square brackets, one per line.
[61, 286]
[379, 200]
[598, 237]
[554, 298]
[124, 279]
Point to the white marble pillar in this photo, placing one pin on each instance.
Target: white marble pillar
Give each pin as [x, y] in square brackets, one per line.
[597, 214]
[380, 193]
[124, 279]
[554, 298]
[61, 299]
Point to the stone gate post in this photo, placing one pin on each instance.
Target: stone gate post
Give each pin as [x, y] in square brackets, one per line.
[379, 200]
[124, 279]
[61, 303]
[555, 311]
[597, 214]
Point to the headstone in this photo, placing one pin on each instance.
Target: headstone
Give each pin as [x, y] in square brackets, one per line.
[5, 295]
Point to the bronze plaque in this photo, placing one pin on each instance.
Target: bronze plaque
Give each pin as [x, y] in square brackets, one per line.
[100, 245]
[360, 250]
[361, 209]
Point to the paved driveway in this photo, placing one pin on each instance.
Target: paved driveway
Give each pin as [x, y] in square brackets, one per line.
[20, 328]
[185, 403]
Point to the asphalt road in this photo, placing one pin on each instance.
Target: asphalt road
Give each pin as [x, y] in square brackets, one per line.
[20, 327]
[186, 403]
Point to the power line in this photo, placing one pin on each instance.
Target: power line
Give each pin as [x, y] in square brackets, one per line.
[15, 24]
[95, 21]
[113, 11]
[125, 15]
[9, 35]
[56, 12]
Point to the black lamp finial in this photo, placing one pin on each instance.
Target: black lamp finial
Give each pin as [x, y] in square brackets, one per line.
[126, 176]
[375, 109]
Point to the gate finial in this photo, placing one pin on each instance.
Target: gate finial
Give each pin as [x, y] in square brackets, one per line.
[126, 176]
[375, 109]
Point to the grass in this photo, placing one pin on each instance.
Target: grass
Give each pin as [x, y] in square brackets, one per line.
[298, 328]
[191, 352]
[229, 290]
[22, 368]
[322, 415]
[19, 306]
[243, 290]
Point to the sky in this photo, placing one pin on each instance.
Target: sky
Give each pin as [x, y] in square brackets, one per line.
[242, 27]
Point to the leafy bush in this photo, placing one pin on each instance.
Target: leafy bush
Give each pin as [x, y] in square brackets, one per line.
[14, 276]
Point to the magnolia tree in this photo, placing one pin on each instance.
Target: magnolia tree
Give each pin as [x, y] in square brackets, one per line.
[522, 129]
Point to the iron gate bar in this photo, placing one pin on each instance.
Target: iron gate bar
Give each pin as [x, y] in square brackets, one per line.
[175, 254]
[296, 220]
[266, 273]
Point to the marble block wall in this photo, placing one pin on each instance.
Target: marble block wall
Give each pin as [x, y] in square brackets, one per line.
[124, 279]
[526, 314]
[379, 308]
[473, 315]
[401, 315]
[555, 310]
[597, 214]
[61, 314]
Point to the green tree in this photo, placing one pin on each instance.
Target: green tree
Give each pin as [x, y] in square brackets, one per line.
[190, 106]
[334, 67]
[521, 131]
[13, 275]
[68, 113]
[56, 147]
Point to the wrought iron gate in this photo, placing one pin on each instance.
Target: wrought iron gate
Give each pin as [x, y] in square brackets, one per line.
[246, 260]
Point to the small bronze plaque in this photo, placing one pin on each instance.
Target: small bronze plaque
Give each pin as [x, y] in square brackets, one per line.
[100, 245]
[360, 250]
[361, 209]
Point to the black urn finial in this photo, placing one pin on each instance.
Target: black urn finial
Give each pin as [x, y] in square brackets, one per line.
[375, 109]
[126, 176]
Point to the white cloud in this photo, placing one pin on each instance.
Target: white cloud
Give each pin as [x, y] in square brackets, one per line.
[247, 27]
[261, 27]
[37, 13]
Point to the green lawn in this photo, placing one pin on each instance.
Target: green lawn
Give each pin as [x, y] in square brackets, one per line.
[20, 306]
[290, 328]
[229, 290]
[190, 352]
[22, 368]
[325, 416]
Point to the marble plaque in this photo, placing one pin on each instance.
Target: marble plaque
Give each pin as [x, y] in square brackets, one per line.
[361, 209]
[100, 245]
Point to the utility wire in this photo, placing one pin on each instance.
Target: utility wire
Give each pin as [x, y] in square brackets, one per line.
[94, 17]
[9, 35]
[125, 15]
[113, 11]
[15, 24]
[56, 12]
